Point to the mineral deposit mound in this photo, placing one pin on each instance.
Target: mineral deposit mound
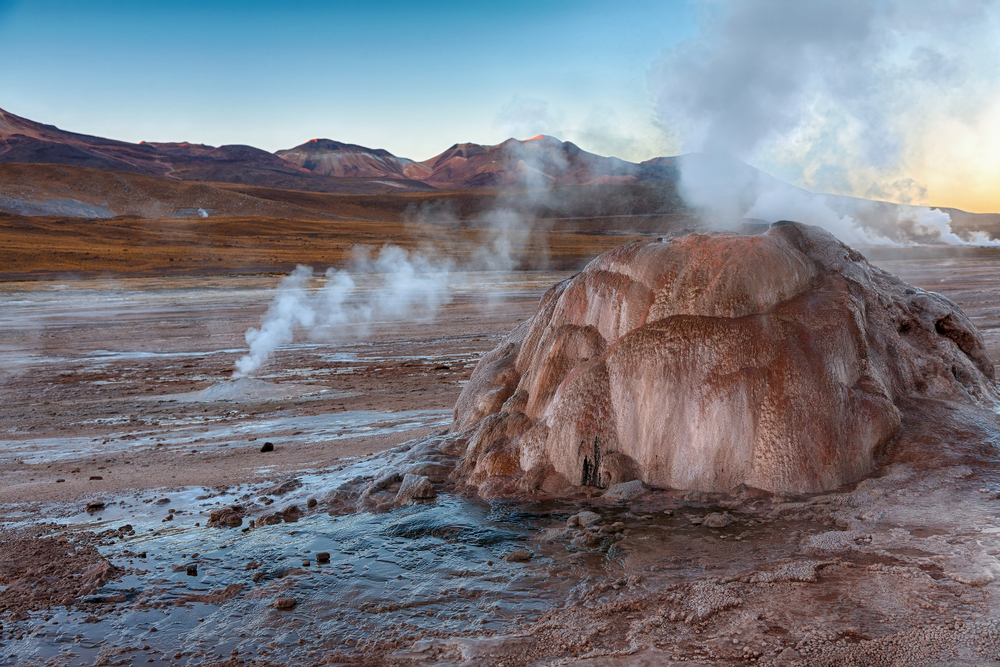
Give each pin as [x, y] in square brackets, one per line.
[783, 362]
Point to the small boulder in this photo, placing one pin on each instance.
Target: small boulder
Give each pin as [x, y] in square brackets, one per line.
[284, 487]
[518, 556]
[95, 506]
[228, 517]
[587, 518]
[291, 514]
[269, 520]
[718, 520]
[268, 447]
[323, 557]
[96, 576]
[626, 491]
[284, 603]
[586, 541]
[414, 487]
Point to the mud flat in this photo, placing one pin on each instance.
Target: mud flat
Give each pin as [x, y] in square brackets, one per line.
[128, 381]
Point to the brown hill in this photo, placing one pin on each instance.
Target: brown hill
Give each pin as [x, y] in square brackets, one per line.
[539, 162]
[25, 141]
[333, 158]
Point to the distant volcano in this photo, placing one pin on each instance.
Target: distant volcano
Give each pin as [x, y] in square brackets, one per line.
[333, 158]
[537, 162]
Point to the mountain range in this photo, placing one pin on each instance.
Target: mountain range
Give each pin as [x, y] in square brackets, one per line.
[324, 165]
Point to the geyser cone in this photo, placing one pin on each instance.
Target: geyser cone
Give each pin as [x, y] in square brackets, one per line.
[707, 362]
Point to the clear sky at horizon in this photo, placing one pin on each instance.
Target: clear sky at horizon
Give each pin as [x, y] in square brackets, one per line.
[897, 100]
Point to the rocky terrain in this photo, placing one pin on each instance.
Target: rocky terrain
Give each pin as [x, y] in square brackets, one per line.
[120, 389]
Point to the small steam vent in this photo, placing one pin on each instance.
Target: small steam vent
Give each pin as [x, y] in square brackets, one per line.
[193, 213]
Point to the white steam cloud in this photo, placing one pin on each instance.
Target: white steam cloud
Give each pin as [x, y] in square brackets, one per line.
[838, 96]
[411, 287]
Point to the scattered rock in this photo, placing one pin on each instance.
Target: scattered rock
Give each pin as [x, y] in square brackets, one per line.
[789, 656]
[586, 541]
[323, 557]
[93, 477]
[60, 480]
[95, 506]
[96, 576]
[555, 534]
[228, 517]
[192, 570]
[311, 503]
[291, 514]
[268, 447]
[718, 520]
[162, 501]
[626, 491]
[269, 520]
[284, 487]
[587, 518]
[414, 487]
[284, 603]
[518, 556]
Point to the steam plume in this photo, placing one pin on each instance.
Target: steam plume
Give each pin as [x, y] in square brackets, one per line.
[410, 286]
[838, 96]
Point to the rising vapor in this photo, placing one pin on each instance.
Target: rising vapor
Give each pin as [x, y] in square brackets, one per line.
[838, 97]
[410, 286]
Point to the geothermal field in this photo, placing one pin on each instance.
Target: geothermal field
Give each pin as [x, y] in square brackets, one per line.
[144, 520]
[486, 447]
[712, 383]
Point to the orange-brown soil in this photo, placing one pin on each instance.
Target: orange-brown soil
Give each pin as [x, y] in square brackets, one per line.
[44, 247]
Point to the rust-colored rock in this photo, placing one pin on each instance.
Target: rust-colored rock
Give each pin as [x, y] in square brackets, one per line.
[227, 517]
[779, 362]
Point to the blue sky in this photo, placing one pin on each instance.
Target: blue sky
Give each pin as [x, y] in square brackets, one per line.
[411, 77]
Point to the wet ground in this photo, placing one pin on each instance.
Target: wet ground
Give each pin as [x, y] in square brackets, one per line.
[128, 381]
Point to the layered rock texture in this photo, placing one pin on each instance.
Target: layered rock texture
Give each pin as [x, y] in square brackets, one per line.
[713, 362]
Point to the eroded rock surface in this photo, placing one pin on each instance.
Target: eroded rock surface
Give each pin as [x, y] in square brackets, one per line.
[783, 362]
